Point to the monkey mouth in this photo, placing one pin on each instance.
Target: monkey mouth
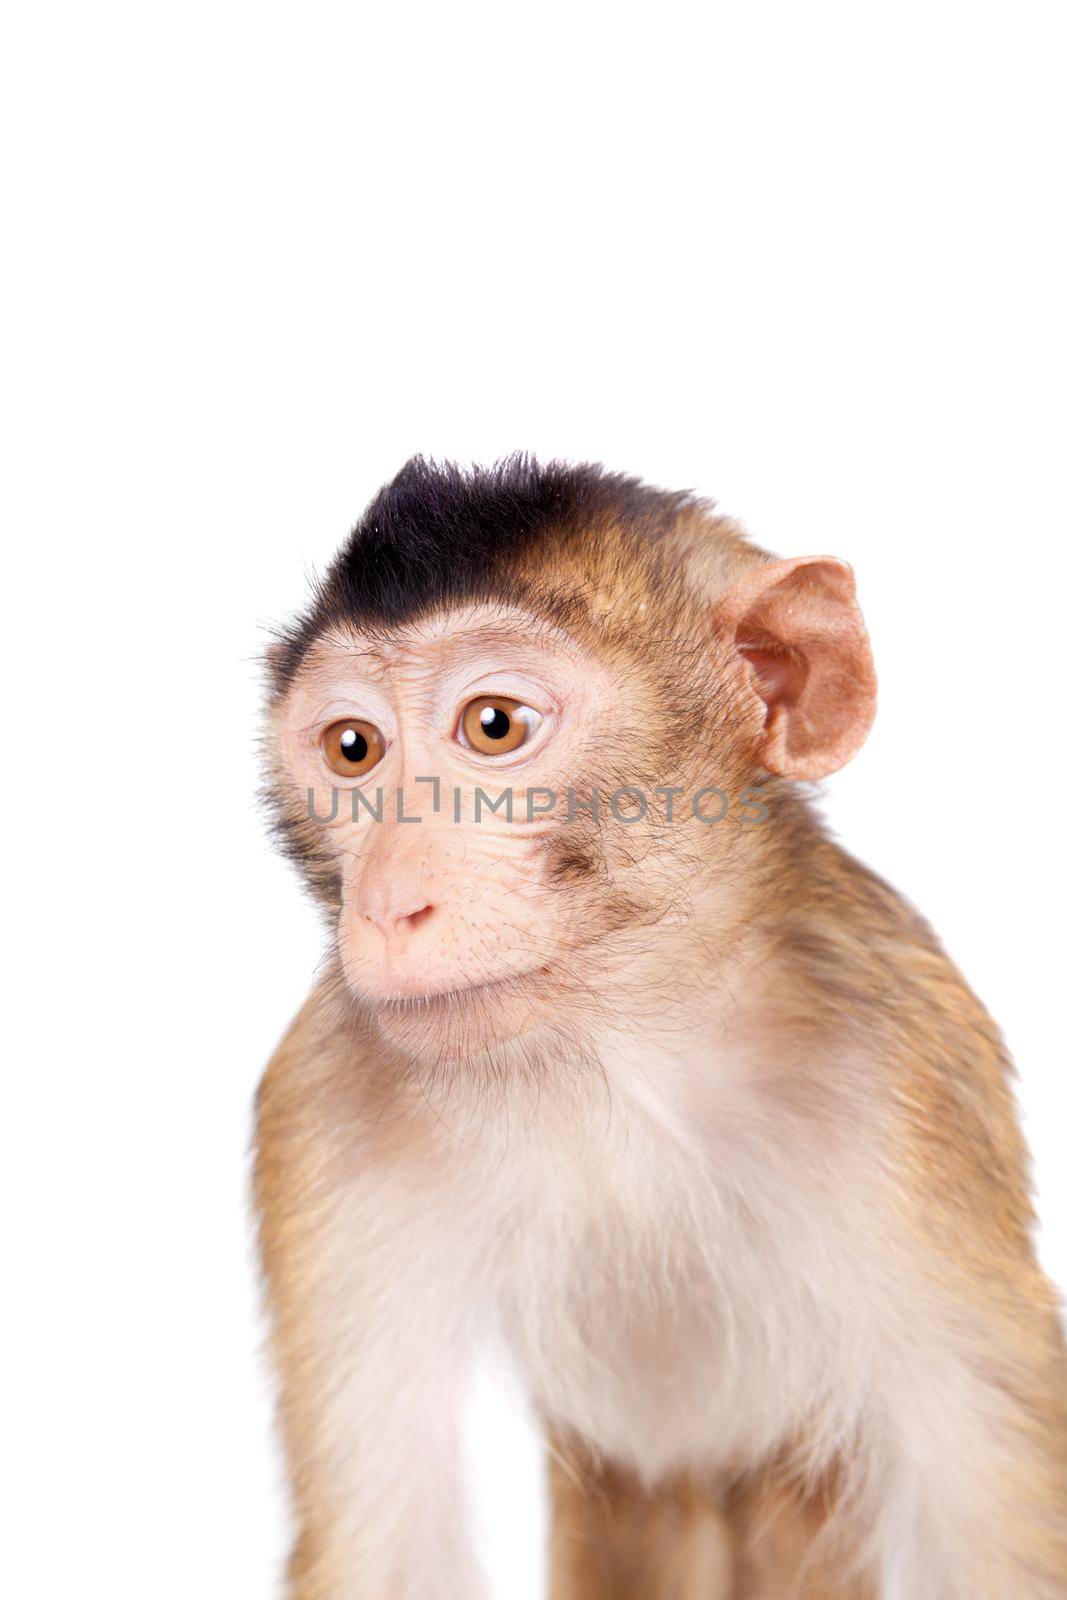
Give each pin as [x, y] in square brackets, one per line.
[461, 1023]
[483, 991]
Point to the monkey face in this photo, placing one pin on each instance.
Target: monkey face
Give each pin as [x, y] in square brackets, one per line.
[498, 670]
[456, 779]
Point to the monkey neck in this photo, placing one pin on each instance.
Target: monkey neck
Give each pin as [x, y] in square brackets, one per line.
[749, 950]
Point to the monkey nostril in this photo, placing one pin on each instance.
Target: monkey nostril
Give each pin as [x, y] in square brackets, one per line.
[414, 919]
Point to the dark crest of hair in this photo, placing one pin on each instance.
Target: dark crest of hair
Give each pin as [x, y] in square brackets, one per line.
[440, 535]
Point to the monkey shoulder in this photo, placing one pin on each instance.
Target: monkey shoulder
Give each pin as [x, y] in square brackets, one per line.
[332, 1092]
[871, 969]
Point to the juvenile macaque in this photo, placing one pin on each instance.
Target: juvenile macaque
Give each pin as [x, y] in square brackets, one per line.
[689, 1113]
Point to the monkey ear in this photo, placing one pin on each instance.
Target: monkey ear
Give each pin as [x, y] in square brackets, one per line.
[798, 629]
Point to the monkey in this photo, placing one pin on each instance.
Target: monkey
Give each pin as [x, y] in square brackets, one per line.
[692, 1118]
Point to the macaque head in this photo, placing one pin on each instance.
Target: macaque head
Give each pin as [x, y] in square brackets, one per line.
[534, 720]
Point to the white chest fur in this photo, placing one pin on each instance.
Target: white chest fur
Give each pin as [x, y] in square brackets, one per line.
[683, 1302]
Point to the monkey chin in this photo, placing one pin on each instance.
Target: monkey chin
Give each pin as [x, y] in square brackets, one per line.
[462, 1023]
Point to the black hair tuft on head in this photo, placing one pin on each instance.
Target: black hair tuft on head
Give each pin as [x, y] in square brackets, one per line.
[440, 535]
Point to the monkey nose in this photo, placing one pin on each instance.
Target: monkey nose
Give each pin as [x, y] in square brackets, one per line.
[392, 919]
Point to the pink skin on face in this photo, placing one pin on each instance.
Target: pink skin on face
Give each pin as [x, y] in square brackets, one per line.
[433, 912]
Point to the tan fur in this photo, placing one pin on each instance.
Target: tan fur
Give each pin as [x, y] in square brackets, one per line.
[741, 1190]
[614, 1539]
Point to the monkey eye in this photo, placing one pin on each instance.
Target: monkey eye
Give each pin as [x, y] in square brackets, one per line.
[495, 725]
[351, 747]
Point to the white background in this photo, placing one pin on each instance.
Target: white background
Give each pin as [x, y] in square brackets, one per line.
[806, 258]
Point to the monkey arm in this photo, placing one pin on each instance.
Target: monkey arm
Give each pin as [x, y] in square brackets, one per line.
[369, 1337]
[981, 1431]
[970, 1407]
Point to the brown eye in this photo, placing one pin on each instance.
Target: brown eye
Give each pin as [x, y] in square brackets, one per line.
[351, 747]
[494, 725]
